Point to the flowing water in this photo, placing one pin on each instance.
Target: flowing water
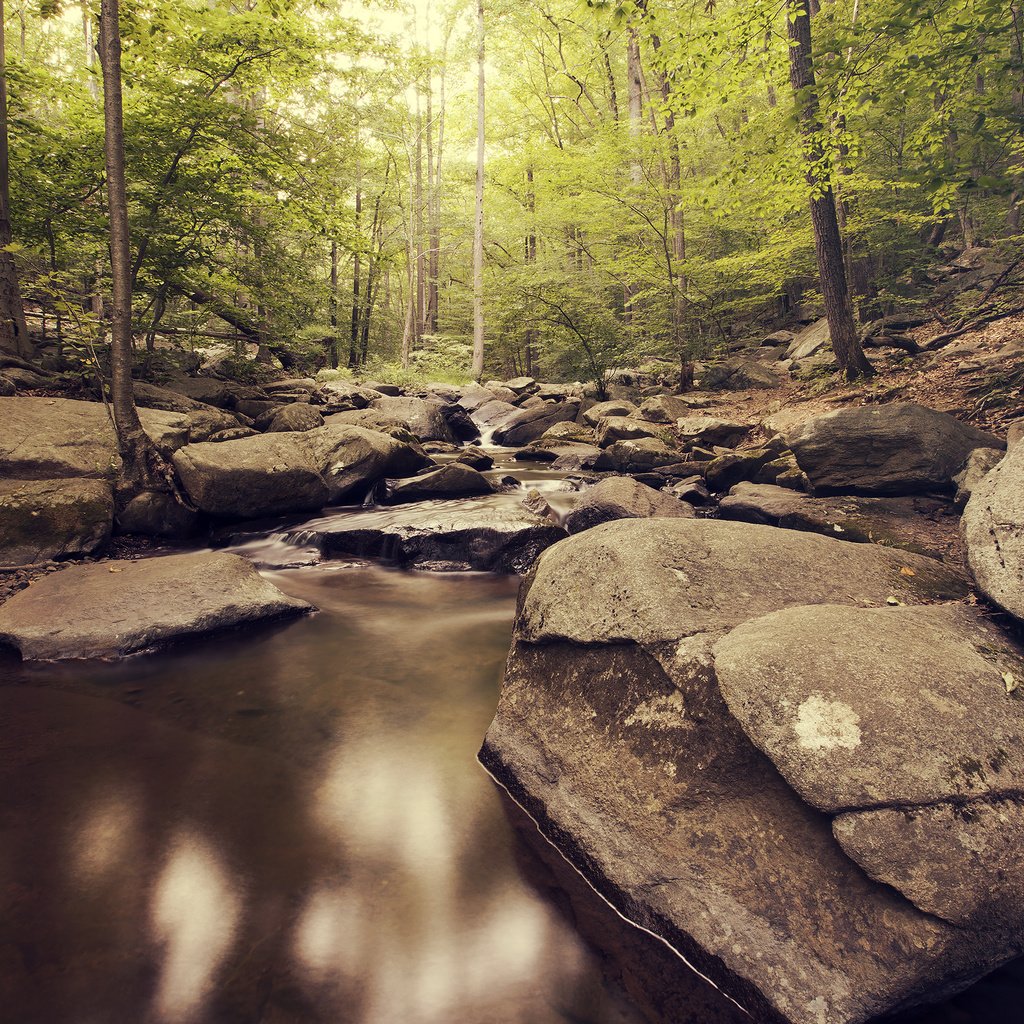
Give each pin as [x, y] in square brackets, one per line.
[288, 825]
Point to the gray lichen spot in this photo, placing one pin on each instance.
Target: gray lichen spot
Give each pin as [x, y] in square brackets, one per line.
[823, 724]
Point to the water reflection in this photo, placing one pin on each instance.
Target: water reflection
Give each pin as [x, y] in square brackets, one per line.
[284, 826]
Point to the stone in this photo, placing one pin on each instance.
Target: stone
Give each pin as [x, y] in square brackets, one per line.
[777, 339]
[810, 341]
[691, 490]
[925, 525]
[597, 412]
[42, 520]
[388, 390]
[476, 459]
[158, 514]
[979, 464]
[205, 422]
[704, 430]
[454, 480]
[738, 374]
[621, 497]
[993, 530]
[110, 609]
[7, 386]
[662, 409]
[521, 385]
[258, 408]
[421, 417]
[885, 449]
[476, 535]
[727, 470]
[625, 428]
[1015, 433]
[266, 475]
[526, 425]
[613, 733]
[838, 719]
[352, 459]
[574, 456]
[494, 412]
[566, 431]
[212, 391]
[297, 417]
[642, 455]
[233, 434]
[459, 422]
[473, 397]
[54, 438]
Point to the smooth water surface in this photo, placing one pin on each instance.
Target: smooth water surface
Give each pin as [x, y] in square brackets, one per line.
[285, 825]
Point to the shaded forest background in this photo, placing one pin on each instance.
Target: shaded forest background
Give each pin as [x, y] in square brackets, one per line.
[302, 176]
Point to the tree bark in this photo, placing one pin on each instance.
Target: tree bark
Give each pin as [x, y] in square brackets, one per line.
[332, 342]
[828, 245]
[478, 228]
[356, 268]
[138, 457]
[13, 330]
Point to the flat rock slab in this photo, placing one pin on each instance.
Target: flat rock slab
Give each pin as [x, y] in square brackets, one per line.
[993, 529]
[885, 449]
[110, 609]
[441, 535]
[926, 525]
[53, 438]
[44, 519]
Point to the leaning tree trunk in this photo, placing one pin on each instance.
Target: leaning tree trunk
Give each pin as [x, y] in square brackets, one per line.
[139, 459]
[13, 330]
[828, 244]
[478, 227]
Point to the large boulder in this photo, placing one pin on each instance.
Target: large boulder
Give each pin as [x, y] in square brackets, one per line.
[46, 519]
[642, 455]
[596, 413]
[473, 396]
[663, 409]
[993, 529]
[437, 536]
[810, 341]
[709, 430]
[110, 609]
[738, 374]
[526, 425]
[352, 459]
[420, 416]
[614, 733]
[53, 438]
[885, 449]
[926, 525]
[454, 480]
[611, 429]
[622, 497]
[942, 826]
[266, 475]
[494, 413]
[295, 417]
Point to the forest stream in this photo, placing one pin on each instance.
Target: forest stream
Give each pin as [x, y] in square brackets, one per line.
[290, 825]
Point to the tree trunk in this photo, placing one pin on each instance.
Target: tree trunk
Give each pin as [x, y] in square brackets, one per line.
[333, 302]
[138, 457]
[828, 244]
[353, 345]
[13, 330]
[478, 228]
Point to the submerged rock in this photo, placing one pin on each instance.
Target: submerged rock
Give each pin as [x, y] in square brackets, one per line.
[110, 609]
[885, 449]
[614, 731]
[442, 535]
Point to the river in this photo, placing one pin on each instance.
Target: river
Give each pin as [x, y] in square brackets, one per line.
[290, 825]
